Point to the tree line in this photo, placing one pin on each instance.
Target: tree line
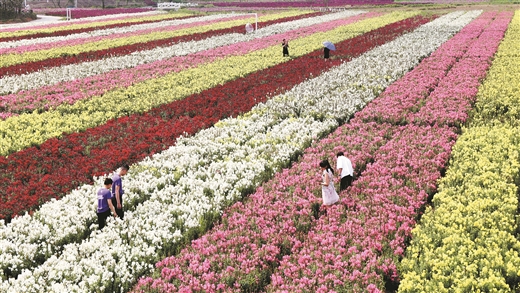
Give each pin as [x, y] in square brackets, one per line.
[11, 9]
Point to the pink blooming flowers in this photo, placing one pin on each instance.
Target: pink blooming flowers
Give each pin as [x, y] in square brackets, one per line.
[357, 247]
[280, 240]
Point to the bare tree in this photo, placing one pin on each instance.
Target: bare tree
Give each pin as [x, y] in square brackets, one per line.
[56, 3]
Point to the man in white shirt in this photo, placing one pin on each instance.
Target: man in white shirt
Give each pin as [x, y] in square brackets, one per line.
[344, 167]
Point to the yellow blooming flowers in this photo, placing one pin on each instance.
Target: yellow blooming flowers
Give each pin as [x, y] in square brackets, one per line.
[466, 242]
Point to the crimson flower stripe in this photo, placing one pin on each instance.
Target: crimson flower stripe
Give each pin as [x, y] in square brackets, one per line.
[28, 67]
[37, 174]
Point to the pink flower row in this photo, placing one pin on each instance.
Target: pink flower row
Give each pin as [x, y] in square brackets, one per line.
[398, 106]
[262, 4]
[355, 247]
[375, 222]
[70, 92]
[254, 236]
[277, 241]
[228, 9]
[451, 105]
[82, 41]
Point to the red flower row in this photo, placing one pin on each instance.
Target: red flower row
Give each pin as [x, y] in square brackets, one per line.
[32, 176]
[29, 67]
[39, 34]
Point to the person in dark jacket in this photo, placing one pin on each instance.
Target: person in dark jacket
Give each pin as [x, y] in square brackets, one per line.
[118, 191]
[285, 48]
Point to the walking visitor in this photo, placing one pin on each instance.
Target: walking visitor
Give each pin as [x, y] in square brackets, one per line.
[345, 170]
[105, 206]
[285, 48]
[118, 191]
[328, 191]
[326, 53]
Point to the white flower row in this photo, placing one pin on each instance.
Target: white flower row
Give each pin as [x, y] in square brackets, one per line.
[26, 237]
[204, 173]
[15, 83]
[37, 25]
[117, 30]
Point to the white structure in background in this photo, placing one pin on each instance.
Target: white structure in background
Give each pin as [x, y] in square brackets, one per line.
[69, 13]
[175, 5]
[249, 27]
[69, 10]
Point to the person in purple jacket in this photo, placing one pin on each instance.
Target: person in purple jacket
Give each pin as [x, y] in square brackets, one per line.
[105, 206]
[118, 191]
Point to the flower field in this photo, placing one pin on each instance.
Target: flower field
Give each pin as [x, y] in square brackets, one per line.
[224, 135]
[86, 12]
[32, 31]
[468, 240]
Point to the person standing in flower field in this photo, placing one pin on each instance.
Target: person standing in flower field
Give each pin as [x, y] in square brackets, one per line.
[118, 191]
[285, 48]
[328, 191]
[326, 53]
[105, 206]
[345, 170]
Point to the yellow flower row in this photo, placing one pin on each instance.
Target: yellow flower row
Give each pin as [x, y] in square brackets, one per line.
[12, 59]
[33, 129]
[499, 97]
[131, 20]
[466, 241]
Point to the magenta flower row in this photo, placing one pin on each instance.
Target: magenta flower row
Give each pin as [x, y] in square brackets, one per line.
[316, 3]
[400, 106]
[355, 247]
